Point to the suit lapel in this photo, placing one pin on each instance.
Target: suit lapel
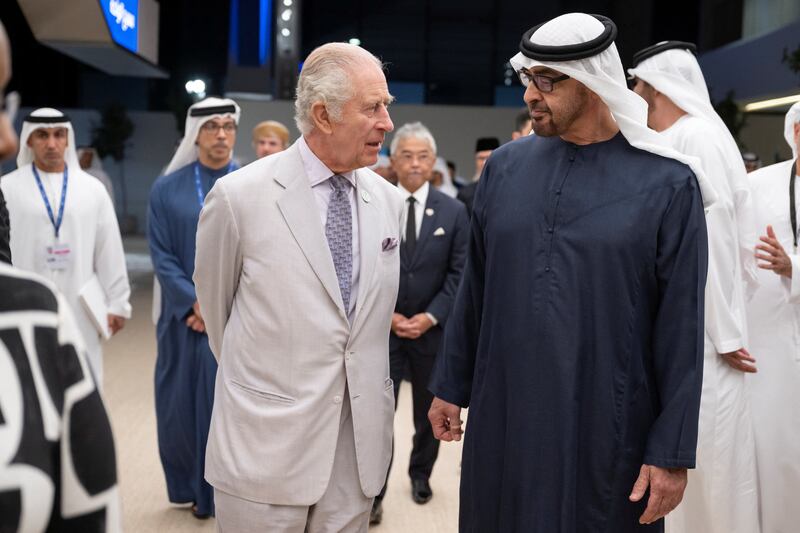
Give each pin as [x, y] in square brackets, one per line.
[428, 223]
[299, 209]
[369, 228]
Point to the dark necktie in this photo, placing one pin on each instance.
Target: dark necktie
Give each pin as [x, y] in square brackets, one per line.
[411, 227]
[339, 232]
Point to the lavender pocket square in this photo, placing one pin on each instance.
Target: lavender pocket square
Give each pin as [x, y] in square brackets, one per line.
[389, 243]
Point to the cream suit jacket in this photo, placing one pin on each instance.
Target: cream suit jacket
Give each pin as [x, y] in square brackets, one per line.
[276, 323]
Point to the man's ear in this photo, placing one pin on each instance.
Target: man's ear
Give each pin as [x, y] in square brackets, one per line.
[321, 118]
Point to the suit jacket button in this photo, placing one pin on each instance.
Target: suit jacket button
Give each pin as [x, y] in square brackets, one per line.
[337, 399]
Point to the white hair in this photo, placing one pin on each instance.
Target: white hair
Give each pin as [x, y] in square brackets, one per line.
[326, 78]
[412, 130]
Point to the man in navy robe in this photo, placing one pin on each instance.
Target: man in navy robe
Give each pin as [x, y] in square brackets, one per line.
[576, 339]
[186, 368]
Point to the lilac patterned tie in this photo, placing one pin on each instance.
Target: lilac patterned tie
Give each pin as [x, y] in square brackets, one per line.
[339, 232]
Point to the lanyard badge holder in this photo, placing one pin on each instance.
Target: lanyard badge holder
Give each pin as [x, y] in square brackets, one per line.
[57, 255]
[201, 196]
[792, 206]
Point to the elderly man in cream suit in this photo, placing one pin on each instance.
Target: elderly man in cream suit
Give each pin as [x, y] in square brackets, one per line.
[297, 273]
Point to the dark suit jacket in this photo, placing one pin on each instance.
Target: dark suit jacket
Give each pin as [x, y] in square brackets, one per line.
[5, 250]
[429, 279]
[467, 194]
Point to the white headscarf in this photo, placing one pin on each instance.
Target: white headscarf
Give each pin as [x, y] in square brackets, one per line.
[792, 118]
[32, 123]
[676, 74]
[603, 74]
[187, 151]
[447, 186]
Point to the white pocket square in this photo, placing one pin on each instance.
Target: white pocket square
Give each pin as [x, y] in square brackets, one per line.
[439, 231]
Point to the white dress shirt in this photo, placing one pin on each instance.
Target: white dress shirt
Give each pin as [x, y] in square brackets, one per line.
[318, 176]
[421, 197]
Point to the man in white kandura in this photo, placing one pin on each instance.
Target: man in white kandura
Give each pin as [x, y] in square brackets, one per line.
[297, 273]
[63, 227]
[774, 318]
[721, 494]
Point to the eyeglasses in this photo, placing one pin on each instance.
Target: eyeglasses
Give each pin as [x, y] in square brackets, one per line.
[214, 127]
[540, 81]
[423, 158]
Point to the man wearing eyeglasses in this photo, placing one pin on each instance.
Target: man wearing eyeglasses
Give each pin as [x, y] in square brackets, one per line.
[186, 368]
[576, 337]
[432, 253]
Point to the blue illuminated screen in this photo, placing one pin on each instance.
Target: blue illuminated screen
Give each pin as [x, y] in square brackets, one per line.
[122, 18]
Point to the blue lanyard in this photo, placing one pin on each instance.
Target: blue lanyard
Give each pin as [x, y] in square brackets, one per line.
[56, 221]
[201, 196]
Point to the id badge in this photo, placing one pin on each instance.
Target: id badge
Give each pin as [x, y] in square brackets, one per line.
[58, 256]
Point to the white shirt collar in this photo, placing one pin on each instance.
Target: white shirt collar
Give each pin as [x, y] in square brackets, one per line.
[420, 195]
[315, 169]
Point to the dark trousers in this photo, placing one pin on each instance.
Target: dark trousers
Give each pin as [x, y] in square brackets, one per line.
[425, 447]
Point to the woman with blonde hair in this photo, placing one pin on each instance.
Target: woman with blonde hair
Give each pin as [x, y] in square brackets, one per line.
[270, 137]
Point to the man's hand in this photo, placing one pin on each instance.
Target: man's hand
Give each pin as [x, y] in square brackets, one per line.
[666, 490]
[417, 325]
[773, 255]
[398, 324]
[196, 323]
[445, 420]
[740, 360]
[115, 323]
[195, 319]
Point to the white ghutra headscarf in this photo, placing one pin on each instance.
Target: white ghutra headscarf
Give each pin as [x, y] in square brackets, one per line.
[672, 69]
[582, 47]
[199, 114]
[46, 117]
[792, 118]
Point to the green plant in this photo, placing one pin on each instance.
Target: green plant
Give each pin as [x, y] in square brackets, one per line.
[792, 59]
[110, 139]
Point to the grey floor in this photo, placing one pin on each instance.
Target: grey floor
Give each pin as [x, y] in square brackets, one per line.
[129, 362]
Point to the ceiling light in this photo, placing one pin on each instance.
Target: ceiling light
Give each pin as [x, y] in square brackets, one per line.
[196, 87]
[772, 102]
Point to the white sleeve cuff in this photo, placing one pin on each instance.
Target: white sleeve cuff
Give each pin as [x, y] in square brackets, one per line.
[122, 309]
[432, 318]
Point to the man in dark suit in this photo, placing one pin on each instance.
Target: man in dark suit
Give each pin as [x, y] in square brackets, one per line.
[483, 149]
[8, 141]
[432, 253]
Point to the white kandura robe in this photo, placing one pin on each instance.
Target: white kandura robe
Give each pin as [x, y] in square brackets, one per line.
[91, 230]
[774, 319]
[721, 494]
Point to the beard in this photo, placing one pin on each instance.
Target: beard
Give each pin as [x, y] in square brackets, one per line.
[558, 121]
